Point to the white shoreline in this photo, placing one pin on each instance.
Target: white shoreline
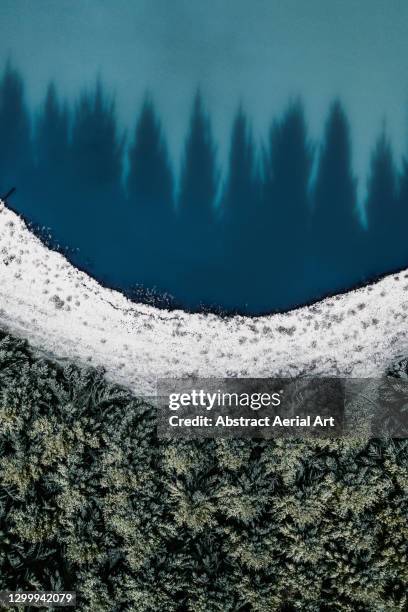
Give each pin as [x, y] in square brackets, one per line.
[67, 314]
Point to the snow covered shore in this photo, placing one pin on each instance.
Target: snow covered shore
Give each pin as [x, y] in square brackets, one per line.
[64, 312]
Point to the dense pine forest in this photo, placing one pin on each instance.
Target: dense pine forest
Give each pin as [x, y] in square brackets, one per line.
[136, 523]
[279, 227]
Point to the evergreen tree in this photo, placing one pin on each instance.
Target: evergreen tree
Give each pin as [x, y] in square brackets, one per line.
[382, 212]
[241, 186]
[150, 179]
[337, 230]
[240, 215]
[151, 201]
[402, 218]
[199, 178]
[286, 205]
[52, 133]
[96, 149]
[197, 231]
[95, 168]
[51, 147]
[16, 161]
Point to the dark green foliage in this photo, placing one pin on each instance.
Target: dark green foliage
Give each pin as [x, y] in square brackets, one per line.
[91, 501]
